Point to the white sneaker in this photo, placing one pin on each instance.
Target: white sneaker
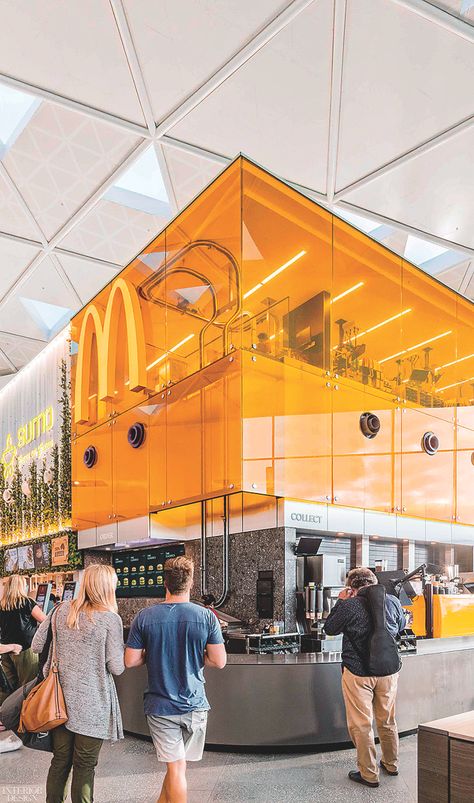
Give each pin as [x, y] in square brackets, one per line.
[9, 742]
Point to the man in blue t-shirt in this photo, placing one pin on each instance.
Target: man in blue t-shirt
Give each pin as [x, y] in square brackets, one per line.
[176, 639]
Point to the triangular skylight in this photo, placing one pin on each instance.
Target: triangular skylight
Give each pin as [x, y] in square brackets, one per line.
[361, 223]
[142, 187]
[16, 110]
[50, 318]
[420, 251]
[250, 250]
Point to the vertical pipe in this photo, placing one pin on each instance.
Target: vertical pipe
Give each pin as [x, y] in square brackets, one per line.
[225, 556]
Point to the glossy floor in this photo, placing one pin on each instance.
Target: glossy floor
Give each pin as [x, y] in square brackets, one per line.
[129, 771]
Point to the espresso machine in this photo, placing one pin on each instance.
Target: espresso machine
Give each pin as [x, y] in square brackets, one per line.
[319, 580]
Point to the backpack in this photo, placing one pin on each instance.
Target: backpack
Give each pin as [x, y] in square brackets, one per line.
[382, 657]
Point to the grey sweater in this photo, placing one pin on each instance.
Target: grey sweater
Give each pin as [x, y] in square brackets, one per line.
[87, 659]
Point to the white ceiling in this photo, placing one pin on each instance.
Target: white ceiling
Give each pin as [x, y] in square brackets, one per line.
[367, 105]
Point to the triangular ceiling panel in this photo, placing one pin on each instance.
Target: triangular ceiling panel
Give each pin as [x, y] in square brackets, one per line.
[189, 173]
[15, 257]
[176, 55]
[404, 81]
[60, 159]
[272, 88]
[87, 277]
[73, 49]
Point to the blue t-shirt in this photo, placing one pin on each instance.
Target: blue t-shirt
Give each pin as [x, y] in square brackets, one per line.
[174, 636]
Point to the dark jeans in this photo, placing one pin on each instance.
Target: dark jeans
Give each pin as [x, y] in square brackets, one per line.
[81, 753]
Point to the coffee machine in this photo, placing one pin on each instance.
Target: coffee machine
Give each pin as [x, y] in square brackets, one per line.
[319, 580]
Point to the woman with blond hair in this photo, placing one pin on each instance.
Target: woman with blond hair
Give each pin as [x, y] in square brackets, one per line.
[19, 618]
[89, 648]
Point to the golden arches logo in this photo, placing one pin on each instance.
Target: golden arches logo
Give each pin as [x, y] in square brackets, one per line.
[122, 295]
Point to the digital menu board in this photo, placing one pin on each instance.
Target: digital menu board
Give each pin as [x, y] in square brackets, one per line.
[140, 572]
[11, 560]
[25, 558]
[41, 555]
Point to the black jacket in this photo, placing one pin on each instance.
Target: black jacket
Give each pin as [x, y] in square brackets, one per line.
[352, 618]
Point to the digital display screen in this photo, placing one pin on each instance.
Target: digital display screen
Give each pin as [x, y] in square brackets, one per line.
[41, 556]
[25, 557]
[69, 590]
[11, 560]
[140, 572]
[42, 595]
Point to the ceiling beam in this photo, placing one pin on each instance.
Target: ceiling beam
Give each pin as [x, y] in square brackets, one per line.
[133, 63]
[76, 255]
[65, 278]
[194, 150]
[16, 336]
[438, 16]
[397, 224]
[16, 238]
[233, 64]
[430, 144]
[74, 105]
[338, 38]
[8, 361]
[26, 209]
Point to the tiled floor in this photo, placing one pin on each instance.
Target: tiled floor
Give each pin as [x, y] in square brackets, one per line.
[128, 771]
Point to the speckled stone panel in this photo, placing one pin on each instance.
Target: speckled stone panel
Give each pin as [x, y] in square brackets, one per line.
[249, 553]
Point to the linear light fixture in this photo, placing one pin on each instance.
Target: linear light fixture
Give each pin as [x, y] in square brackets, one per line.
[346, 292]
[461, 382]
[454, 362]
[377, 326]
[416, 346]
[174, 348]
[275, 273]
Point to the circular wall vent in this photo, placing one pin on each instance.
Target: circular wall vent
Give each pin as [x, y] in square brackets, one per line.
[90, 457]
[136, 435]
[430, 443]
[369, 424]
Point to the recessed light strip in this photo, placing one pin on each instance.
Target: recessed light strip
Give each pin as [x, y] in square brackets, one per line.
[275, 273]
[416, 346]
[461, 382]
[174, 348]
[346, 292]
[373, 328]
[454, 362]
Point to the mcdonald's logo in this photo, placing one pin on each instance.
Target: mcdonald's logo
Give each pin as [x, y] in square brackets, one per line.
[122, 295]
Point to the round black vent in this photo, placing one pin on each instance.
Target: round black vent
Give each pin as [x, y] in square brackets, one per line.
[90, 457]
[472, 458]
[369, 424]
[430, 443]
[136, 435]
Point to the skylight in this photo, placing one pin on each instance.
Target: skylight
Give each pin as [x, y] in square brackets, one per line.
[142, 187]
[16, 110]
[50, 318]
[420, 251]
[361, 223]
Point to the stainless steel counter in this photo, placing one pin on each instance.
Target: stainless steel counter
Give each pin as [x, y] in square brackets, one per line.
[277, 701]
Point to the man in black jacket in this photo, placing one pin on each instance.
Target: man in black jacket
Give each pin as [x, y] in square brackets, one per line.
[366, 696]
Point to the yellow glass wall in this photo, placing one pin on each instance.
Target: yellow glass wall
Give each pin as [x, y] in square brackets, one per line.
[249, 338]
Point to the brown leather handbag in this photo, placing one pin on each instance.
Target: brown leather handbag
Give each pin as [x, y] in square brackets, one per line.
[45, 707]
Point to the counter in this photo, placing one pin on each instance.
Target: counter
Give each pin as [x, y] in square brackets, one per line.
[446, 760]
[294, 701]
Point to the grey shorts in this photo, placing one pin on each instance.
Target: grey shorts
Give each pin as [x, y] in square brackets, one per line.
[179, 737]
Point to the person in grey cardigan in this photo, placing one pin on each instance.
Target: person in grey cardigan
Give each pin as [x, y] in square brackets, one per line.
[90, 650]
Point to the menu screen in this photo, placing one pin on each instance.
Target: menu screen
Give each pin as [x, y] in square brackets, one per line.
[140, 572]
[11, 560]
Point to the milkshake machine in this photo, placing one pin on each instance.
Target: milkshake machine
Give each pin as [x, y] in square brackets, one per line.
[319, 580]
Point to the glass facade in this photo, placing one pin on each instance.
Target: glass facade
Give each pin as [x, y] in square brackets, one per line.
[248, 339]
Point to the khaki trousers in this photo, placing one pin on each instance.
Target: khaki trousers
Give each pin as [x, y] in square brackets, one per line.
[366, 698]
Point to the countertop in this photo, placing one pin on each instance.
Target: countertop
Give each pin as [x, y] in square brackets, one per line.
[460, 726]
